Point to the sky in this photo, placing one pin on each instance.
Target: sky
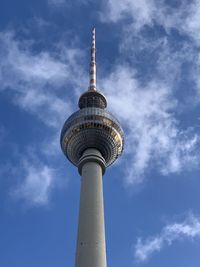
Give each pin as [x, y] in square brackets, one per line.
[148, 67]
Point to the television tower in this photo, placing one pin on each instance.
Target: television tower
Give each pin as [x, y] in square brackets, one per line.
[92, 139]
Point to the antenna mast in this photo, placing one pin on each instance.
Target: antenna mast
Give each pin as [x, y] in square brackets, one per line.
[93, 76]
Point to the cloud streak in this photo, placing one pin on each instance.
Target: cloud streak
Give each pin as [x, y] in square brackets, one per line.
[182, 16]
[36, 185]
[153, 136]
[36, 79]
[189, 229]
[155, 90]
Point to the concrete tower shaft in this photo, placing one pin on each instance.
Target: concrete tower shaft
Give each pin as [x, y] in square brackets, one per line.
[91, 245]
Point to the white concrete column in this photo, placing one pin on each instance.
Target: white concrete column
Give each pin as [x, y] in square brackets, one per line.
[91, 247]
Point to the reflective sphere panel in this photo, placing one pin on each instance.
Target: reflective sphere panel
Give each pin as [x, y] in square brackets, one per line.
[92, 128]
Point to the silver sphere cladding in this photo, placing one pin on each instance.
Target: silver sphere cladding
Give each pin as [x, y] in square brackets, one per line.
[92, 127]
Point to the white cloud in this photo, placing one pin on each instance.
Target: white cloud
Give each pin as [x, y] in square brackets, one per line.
[50, 146]
[36, 185]
[142, 11]
[153, 137]
[151, 97]
[36, 79]
[184, 16]
[171, 56]
[188, 229]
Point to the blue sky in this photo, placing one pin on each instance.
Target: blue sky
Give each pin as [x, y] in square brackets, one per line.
[148, 66]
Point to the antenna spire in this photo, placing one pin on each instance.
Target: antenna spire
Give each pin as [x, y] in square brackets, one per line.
[93, 63]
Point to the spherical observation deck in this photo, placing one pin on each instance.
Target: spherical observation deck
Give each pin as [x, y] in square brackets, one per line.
[92, 127]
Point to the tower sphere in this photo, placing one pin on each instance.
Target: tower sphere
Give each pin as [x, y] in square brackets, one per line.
[92, 126]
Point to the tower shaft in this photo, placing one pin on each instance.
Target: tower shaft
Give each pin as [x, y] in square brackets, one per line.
[91, 247]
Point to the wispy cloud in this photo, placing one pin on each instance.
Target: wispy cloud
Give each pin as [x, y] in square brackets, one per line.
[182, 16]
[188, 229]
[141, 11]
[36, 184]
[153, 92]
[36, 79]
[153, 136]
[161, 39]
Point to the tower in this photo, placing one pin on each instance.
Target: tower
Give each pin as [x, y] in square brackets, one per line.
[92, 139]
